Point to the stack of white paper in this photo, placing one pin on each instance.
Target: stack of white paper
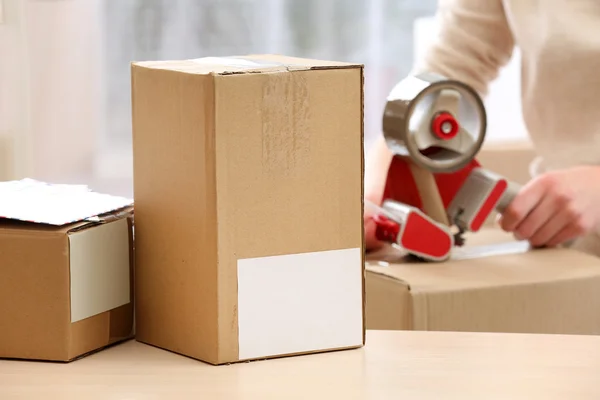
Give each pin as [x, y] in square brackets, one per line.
[55, 204]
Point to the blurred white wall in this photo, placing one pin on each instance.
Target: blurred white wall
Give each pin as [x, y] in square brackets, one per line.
[51, 103]
[12, 95]
[64, 69]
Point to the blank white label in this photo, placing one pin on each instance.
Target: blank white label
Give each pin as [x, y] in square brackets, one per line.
[300, 303]
[99, 261]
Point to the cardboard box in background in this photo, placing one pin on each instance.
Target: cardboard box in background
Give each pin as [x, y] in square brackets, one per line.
[65, 291]
[511, 159]
[552, 291]
[248, 179]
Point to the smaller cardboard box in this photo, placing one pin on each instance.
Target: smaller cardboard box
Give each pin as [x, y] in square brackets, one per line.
[248, 179]
[66, 289]
[496, 284]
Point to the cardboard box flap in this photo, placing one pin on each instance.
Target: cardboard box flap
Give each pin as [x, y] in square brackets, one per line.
[12, 226]
[260, 63]
[519, 268]
[27, 203]
[121, 213]
[16, 227]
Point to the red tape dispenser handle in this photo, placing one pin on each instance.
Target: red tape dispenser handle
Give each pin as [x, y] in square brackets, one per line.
[413, 231]
[482, 193]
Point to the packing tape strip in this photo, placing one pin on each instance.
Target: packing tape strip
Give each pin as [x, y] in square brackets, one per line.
[498, 249]
[235, 62]
[244, 63]
[391, 255]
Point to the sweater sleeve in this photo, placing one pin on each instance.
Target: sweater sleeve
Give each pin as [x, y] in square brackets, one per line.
[473, 43]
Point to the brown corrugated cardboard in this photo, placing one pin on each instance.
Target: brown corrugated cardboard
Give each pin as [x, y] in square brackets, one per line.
[65, 290]
[555, 291]
[248, 179]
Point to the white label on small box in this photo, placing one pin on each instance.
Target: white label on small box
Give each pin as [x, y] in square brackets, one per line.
[300, 303]
[99, 258]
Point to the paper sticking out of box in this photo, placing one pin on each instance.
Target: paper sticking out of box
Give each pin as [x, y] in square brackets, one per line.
[30, 200]
[395, 254]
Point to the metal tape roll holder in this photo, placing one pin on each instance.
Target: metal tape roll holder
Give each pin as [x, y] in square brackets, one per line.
[438, 123]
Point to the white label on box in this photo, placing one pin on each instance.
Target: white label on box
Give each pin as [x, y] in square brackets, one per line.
[300, 303]
[100, 277]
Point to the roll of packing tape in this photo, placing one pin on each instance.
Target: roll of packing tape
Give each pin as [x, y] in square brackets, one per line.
[440, 124]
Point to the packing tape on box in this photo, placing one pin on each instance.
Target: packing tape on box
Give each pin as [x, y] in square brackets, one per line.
[240, 64]
[394, 255]
[237, 62]
[499, 249]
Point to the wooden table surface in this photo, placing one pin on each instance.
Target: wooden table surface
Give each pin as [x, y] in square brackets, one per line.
[393, 365]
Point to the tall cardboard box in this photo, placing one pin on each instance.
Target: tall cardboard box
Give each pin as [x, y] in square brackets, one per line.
[65, 290]
[494, 284]
[248, 177]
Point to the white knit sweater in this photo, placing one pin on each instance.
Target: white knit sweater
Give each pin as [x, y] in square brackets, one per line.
[559, 41]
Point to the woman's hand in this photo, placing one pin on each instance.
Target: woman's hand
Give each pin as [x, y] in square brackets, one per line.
[555, 207]
[371, 240]
[377, 163]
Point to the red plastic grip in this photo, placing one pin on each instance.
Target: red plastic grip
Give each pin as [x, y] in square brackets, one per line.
[440, 125]
[387, 230]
